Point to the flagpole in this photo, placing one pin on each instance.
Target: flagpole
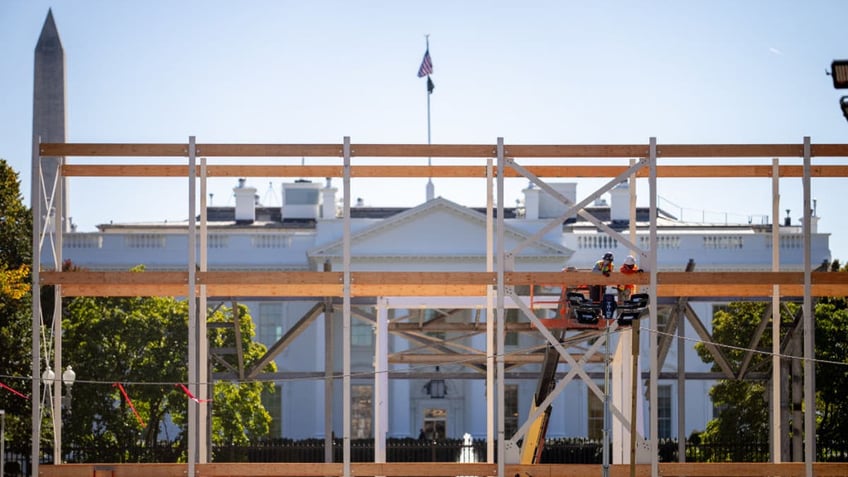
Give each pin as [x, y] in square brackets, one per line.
[431, 190]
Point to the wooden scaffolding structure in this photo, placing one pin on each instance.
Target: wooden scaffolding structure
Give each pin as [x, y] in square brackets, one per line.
[497, 162]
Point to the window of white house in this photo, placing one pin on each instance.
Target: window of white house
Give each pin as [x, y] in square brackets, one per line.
[511, 338]
[435, 423]
[270, 322]
[510, 410]
[273, 403]
[361, 410]
[361, 333]
[595, 414]
[664, 411]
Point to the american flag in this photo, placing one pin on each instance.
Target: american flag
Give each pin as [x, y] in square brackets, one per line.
[426, 68]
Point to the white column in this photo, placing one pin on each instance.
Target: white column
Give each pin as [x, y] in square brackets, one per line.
[346, 309]
[381, 381]
[809, 328]
[203, 412]
[35, 399]
[499, 315]
[490, 318]
[776, 421]
[193, 424]
[652, 307]
[56, 242]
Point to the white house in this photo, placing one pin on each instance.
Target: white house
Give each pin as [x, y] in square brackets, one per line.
[434, 382]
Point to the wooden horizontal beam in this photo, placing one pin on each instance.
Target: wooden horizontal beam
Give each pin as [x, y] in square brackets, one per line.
[552, 279]
[394, 171]
[317, 291]
[439, 150]
[446, 469]
[403, 358]
[318, 284]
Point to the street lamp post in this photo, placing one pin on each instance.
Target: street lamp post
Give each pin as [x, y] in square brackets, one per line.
[2, 442]
[68, 377]
[47, 377]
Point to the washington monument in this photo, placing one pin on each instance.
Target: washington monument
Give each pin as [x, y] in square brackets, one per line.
[49, 110]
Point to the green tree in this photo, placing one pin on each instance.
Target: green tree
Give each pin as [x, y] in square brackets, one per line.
[233, 424]
[743, 414]
[15, 308]
[140, 344]
[831, 317]
[742, 405]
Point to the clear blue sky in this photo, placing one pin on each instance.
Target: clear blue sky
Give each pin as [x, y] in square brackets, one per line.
[534, 72]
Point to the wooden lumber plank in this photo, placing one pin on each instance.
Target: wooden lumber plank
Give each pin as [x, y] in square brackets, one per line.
[269, 150]
[447, 469]
[270, 469]
[422, 469]
[730, 150]
[424, 150]
[576, 150]
[479, 171]
[269, 278]
[113, 150]
[423, 278]
[274, 290]
[359, 290]
[747, 291]
[117, 470]
[115, 290]
[124, 170]
[829, 150]
[306, 283]
[434, 358]
[114, 278]
[441, 150]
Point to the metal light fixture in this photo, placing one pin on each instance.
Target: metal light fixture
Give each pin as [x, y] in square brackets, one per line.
[839, 72]
[48, 376]
[68, 377]
[436, 388]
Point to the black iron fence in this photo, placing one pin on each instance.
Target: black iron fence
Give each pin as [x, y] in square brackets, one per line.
[562, 450]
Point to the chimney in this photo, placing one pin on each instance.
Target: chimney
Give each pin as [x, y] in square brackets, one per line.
[550, 207]
[531, 202]
[245, 202]
[328, 198]
[620, 203]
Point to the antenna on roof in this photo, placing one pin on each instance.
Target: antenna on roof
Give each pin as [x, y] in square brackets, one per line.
[270, 197]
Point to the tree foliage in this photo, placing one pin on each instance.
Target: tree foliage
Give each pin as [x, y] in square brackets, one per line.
[742, 404]
[15, 309]
[141, 344]
[831, 317]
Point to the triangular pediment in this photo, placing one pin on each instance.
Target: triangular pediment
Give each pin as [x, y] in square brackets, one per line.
[439, 229]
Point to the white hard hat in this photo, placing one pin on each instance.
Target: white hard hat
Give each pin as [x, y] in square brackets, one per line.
[630, 260]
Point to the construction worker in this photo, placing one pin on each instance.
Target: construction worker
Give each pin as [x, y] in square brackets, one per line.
[629, 268]
[604, 265]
